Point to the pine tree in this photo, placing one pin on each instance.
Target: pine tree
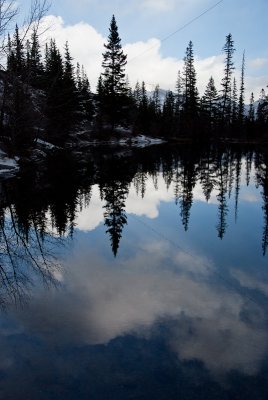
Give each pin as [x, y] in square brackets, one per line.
[179, 93]
[168, 115]
[55, 102]
[210, 101]
[143, 121]
[241, 107]
[137, 95]
[78, 77]
[70, 95]
[227, 79]
[156, 103]
[86, 97]
[251, 112]
[234, 102]
[35, 66]
[191, 94]
[114, 79]
[16, 57]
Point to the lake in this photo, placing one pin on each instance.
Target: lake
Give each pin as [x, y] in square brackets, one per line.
[136, 273]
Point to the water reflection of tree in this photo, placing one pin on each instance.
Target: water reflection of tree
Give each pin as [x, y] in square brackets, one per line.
[262, 179]
[115, 216]
[114, 188]
[41, 206]
[25, 256]
[37, 213]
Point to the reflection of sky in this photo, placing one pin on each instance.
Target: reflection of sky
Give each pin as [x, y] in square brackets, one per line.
[184, 296]
[92, 216]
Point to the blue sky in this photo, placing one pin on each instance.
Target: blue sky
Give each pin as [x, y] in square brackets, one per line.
[143, 23]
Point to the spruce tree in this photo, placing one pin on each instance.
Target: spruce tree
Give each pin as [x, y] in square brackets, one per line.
[227, 79]
[36, 69]
[234, 102]
[137, 94]
[251, 112]
[191, 94]
[16, 56]
[54, 110]
[179, 92]
[156, 103]
[210, 101]
[241, 107]
[86, 96]
[70, 95]
[114, 79]
[168, 115]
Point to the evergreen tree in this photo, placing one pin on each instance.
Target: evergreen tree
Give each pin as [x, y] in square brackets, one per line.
[168, 115]
[210, 102]
[227, 79]
[16, 62]
[143, 117]
[262, 110]
[251, 112]
[114, 79]
[191, 94]
[234, 102]
[137, 95]
[55, 102]
[86, 97]
[156, 103]
[241, 107]
[69, 91]
[35, 66]
[78, 77]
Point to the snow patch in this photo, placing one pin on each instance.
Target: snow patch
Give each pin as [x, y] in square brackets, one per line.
[8, 166]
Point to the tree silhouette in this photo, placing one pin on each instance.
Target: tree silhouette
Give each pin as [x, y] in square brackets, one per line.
[115, 216]
[114, 78]
[227, 79]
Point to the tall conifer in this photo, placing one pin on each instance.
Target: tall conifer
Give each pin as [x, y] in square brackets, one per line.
[114, 78]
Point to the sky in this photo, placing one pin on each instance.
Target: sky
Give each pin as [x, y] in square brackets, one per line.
[154, 37]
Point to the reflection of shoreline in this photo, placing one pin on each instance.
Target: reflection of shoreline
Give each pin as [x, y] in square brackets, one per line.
[174, 308]
[105, 187]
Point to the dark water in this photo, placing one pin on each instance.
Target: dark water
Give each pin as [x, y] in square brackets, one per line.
[136, 275]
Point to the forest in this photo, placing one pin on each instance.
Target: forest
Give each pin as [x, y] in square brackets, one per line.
[45, 96]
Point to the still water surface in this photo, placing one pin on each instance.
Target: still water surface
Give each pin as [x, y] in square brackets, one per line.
[136, 276]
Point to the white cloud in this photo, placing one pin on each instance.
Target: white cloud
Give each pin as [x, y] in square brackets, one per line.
[145, 61]
[105, 300]
[91, 217]
[86, 44]
[248, 281]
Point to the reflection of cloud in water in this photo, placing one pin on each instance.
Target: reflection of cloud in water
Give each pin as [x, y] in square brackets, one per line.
[149, 205]
[223, 341]
[250, 197]
[249, 281]
[103, 301]
[92, 216]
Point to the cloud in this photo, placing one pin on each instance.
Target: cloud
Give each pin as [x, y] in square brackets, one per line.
[91, 217]
[103, 300]
[155, 193]
[145, 60]
[86, 44]
[248, 281]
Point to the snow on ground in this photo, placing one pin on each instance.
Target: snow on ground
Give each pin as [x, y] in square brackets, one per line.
[8, 166]
[45, 145]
